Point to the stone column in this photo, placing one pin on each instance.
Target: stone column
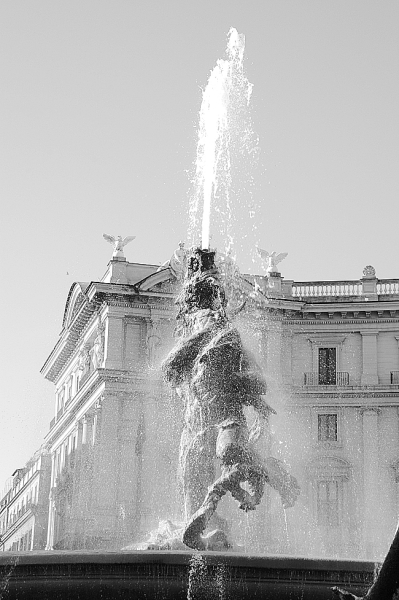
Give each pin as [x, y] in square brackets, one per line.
[371, 493]
[369, 354]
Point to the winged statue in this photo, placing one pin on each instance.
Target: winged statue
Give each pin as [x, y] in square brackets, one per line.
[271, 259]
[118, 243]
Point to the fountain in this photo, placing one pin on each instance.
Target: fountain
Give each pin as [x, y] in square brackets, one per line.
[216, 378]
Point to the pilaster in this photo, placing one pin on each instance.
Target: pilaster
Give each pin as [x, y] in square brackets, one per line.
[106, 463]
[274, 340]
[114, 337]
[369, 358]
[371, 492]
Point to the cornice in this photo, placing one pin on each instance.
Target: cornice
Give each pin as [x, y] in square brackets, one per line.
[68, 341]
[29, 514]
[23, 489]
[360, 394]
[96, 385]
[363, 321]
[140, 306]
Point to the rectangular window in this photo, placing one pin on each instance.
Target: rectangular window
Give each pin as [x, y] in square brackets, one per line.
[327, 366]
[327, 503]
[327, 428]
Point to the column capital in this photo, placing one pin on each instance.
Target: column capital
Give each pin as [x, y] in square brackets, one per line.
[369, 332]
[370, 410]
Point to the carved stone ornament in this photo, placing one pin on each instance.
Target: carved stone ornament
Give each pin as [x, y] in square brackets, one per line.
[271, 260]
[84, 360]
[177, 262]
[369, 271]
[118, 243]
[153, 342]
[97, 352]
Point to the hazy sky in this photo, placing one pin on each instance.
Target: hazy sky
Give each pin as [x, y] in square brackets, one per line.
[99, 106]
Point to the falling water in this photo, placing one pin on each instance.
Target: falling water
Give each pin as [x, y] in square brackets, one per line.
[224, 132]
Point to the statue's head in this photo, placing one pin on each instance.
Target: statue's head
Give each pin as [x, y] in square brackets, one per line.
[201, 261]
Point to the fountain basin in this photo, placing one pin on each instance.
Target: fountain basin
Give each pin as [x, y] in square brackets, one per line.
[170, 575]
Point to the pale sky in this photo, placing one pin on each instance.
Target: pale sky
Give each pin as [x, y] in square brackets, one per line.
[99, 105]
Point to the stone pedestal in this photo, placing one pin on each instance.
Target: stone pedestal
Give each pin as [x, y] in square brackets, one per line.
[117, 270]
[274, 283]
[369, 287]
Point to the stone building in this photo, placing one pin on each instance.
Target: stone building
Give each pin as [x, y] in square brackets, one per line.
[114, 424]
[330, 354]
[24, 506]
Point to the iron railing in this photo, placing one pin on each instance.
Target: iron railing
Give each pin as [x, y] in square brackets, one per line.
[314, 378]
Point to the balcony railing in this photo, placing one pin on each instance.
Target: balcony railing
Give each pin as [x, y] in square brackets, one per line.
[341, 379]
[395, 377]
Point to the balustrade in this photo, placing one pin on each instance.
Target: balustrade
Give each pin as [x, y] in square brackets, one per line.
[319, 289]
[388, 286]
[326, 288]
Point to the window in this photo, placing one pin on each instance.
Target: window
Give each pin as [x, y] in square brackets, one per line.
[327, 503]
[327, 366]
[327, 428]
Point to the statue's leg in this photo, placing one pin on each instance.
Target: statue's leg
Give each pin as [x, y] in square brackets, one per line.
[279, 479]
[196, 526]
[199, 472]
[238, 466]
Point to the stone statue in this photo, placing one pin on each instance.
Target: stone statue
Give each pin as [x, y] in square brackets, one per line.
[216, 378]
[84, 361]
[97, 352]
[118, 244]
[153, 341]
[177, 262]
[271, 260]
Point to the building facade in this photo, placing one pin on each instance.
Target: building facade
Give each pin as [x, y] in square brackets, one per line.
[24, 506]
[330, 351]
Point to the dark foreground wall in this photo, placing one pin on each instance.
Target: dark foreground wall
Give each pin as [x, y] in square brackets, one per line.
[175, 575]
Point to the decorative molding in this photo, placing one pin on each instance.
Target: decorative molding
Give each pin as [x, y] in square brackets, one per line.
[339, 321]
[329, 466]
[370, 409]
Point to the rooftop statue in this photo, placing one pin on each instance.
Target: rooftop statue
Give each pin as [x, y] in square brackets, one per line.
[118, 243]
[216, 378]
[177, 262]
[271, 260]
